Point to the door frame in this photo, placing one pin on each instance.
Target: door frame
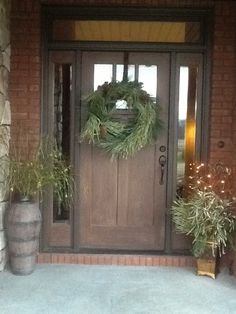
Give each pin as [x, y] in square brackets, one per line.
[49, 13]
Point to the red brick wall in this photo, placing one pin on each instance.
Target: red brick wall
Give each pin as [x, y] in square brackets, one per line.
[25, 73]
[223, 82]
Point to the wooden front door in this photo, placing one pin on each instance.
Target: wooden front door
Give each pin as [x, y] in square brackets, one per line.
[122, 203]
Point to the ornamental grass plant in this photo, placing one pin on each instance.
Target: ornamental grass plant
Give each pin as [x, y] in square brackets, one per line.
[28, 178]
[205, 212]
[207, 219]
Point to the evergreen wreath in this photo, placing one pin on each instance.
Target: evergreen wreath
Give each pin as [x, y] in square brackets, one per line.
[121, 139]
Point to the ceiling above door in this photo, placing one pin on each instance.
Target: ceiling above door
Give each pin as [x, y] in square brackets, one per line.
[123, 31]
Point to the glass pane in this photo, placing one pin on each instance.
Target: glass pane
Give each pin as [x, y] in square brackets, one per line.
[187, 108]
[120, 69]
[102, 74]
[121, 104]
[62, 99]
[127, 31]
[147, 74]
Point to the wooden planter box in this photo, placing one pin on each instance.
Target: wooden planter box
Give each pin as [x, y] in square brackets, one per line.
[207, 267]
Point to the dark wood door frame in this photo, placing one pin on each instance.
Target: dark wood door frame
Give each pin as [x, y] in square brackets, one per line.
[134, 14]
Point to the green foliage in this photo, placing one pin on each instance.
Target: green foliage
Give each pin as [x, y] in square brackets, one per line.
[207, 219]
[27, 178]
[117, 138]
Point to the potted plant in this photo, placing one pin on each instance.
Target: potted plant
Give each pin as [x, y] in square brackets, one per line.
[205, 216]
[27, 180]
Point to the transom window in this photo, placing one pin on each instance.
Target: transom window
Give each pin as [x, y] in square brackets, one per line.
[127, 31]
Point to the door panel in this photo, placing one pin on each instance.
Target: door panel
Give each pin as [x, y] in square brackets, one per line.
[122, 203]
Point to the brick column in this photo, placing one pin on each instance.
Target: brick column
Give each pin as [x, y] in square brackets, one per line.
[4, 116]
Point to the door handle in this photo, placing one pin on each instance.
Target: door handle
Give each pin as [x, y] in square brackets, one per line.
[162, 162]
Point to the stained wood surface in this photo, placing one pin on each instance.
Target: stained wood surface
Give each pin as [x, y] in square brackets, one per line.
[122, 204]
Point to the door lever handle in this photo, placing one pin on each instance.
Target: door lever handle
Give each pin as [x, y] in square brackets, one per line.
[162, 162]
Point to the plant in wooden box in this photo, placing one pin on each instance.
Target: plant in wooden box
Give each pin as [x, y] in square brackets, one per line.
[27, 180]
[205, 216]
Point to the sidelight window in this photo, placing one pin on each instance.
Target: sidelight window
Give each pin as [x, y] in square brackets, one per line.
[187, 125]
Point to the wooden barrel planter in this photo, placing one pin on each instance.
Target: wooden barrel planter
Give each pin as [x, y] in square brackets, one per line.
[23, 228]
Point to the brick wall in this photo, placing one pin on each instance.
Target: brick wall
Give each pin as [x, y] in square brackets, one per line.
[223, 82]
[223, 98]
[25, 76]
